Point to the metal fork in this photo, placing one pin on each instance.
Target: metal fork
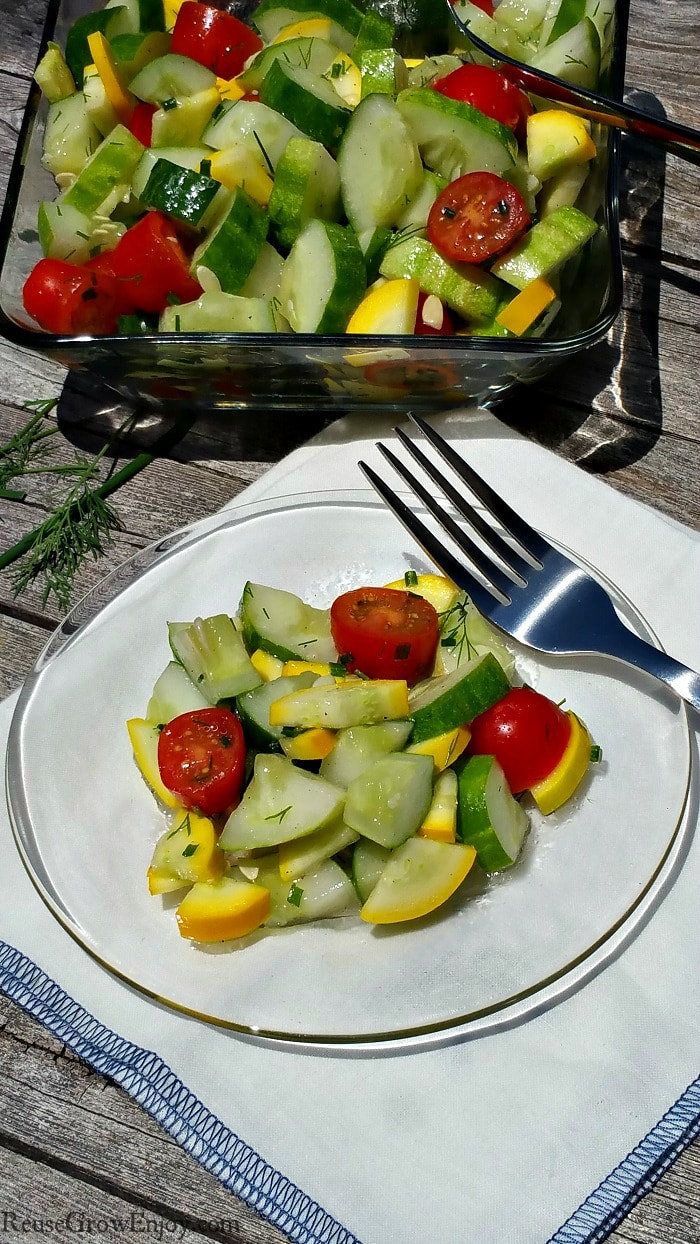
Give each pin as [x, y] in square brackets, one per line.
[532, 592]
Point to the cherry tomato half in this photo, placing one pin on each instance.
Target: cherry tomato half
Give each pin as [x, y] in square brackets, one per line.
[526, 732]
[491, 92]
[69, 299]
[201, 758]
[475, 217]
[213, 37]
[389, 634]
[151, 261]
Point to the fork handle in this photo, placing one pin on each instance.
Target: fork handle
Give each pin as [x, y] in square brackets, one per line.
[628, 647]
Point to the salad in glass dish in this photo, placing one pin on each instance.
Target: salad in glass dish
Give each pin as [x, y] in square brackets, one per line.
[299, 175]
[314, 763]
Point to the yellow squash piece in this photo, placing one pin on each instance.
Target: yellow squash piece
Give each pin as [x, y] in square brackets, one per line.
[345, 76]
[314, 744]
[171, 8]
[444, 748]
[267, 666]
[526, 307]
[185, 853]
[309, 28]
[237, 166]
[230, 88]
[216, 911]
[439, 591]
[388, 308]
[419, 876]
[118, 94]
[440, 823]
[556, 140]
[561, 784]
[144, 737]
[306, 667]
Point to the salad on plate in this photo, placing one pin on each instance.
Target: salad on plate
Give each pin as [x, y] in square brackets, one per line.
[362, 759]
[299, 175]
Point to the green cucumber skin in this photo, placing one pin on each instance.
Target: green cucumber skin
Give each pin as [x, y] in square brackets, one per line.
[489, 145]
[351, 280]
[546, 246]
[299, 193]
[179, 192]
[474, 294]
[71, 136]
[375, 34]
[474, 698]
[473, 820]
[340, 11]
[78, 54]
[258, 736]
[307, 51]
[321, 120]
[232, 249]
[112, 164]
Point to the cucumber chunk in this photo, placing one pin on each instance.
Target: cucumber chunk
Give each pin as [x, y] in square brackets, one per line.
[325, 893]
[357, 748]
[70, 137]
[106, 178]
[281, 802]
[453, 137]
[270, 17]
[351, 702]
[306, 99]
[432, 68]
[488, 817]
[284, 625]
[307, 185]
[379, 163]
[304, 855]
[455, 699]
[214, 656]
[415, 215]
[171, 77]
[323, 279]
[181, 193]
[132, 51]
[545, 247]
[419, 877]
[305, 52]
[387, 803]
[264, 278]
[383, 71]
[368, 861]
[465, 288]
[53, 76]
[183, 125]
[261, 129]
[217, 312]
[140, 15]
[254, 711]
[376, 33]
[575, 56]
[66, 233]
[174, 693]
[233, 247]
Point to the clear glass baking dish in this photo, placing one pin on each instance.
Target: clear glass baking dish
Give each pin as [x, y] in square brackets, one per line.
[305, 372]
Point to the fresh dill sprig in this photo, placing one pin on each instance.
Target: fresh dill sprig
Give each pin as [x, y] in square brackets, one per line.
[453, 629]
[26, 448]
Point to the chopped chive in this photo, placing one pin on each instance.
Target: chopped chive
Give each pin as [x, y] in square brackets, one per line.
[191, 848]
[410, 578]
[295, 895]
[402, 652]
[596, 754]
[279, 816]
[168, 104]
[205, 167]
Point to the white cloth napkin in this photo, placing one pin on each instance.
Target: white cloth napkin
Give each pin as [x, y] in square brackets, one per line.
[495, 1139]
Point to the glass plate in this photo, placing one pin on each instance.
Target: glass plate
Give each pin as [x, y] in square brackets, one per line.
[501, 950]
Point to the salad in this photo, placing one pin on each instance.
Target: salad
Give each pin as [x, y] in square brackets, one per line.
[359, 759]
[300, 176]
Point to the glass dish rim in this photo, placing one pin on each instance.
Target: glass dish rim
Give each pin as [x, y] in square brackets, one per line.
[44, 342]
[520, 1007]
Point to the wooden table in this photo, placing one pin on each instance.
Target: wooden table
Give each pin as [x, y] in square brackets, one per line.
[70, 1140]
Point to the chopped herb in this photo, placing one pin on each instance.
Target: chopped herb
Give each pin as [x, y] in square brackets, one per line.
[218, 111]
[337, 669]
[80, 234]
[402, 652]
[266, 157]
[178, 323]
[449, 212]
[279, 816]
[89, 295]
[168, 105]
[295, 895]
[502, 207]
[266, 613]
[290, 732]
[225, 740]
[205, 167]
[346, 659]
[360, 674]
[574, 60]
[596, 754]
[448, 642]
[190, 849]
[305, 643]
[453, 626]
[338, 69]
[410, 578]
[200, 677]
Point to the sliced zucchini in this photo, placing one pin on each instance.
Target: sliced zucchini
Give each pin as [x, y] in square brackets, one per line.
[488, 817]
[357, 748]
[284, 625]
[280, 803]
[173, 693]
[53, 76]
[545, 247]
[388, 802]
[254, 711]
[334, 706]
[379, 163]
[455, 699]
[214, 656]
[185, 853]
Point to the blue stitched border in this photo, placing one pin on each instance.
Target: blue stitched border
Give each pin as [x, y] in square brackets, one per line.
[146, 1078]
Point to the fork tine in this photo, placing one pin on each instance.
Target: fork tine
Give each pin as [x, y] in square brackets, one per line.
[490, 537]
[492, 573]
[529, 539]
[483, 597]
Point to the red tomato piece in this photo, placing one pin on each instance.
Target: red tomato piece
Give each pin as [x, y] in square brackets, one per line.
[475, 217]
[141, 122]
[526, 732]
[486, 6]
[152, 263]
[490, 91]
[201, 758]
[103, 263]
[69, 299]
[388, 633]
[214, 38]
[423, 329]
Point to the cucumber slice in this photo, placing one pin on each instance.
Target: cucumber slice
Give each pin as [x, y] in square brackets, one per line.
[305, 52]
[373, 244]
[307, 185]
[323, 894]
[261, 129]
[173, 693]
[264, 278]
[140, 16]
[179, 192]
[465, 288]
[569, 14]
[376, 32]
[357, 748]
[66, 233]
[351, 702]
[523, 18]
[309, 101]
[368, 862]
[106, 178]
[383, 71]
[184, 157]
[214, 656]
[545, 247]
[270, 17]
[575, 56]
[254, 711]
[379, 163]
[216, 312]
[323, 279]
[183, 125]
[562, 190]
[415, 216]
[70, 137]
[388, 802]
[132, 51]
[284, 625]
[455, 699]
[453, 137]
[281, 802]
[109, 21]
[419, 877]
[171, 77]
[433, 68]
[488, 817]
[304, 855]
[232, 248]
[52, 75]
[97, 102]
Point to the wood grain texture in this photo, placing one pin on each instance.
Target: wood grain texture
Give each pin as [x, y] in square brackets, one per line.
[71, 1142]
